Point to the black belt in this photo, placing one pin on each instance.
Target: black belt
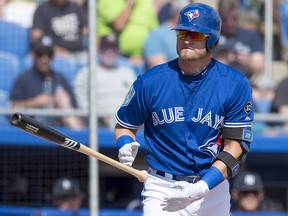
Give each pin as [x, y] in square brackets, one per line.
[190, 179]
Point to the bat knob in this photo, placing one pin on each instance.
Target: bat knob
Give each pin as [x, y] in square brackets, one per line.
[15, 119]
[143, 175]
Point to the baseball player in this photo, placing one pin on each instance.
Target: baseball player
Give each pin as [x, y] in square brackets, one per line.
[197, 115]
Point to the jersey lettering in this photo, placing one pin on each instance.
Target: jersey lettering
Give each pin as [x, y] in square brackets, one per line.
[168, 116]
[208, 119]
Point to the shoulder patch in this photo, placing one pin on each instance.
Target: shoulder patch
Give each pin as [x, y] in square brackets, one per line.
[129, 96]
[248, 107]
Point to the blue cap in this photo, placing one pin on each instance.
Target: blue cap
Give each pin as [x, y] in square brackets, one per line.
[199, 17]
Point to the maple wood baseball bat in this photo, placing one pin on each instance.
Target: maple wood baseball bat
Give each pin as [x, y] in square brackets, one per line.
[44, 131]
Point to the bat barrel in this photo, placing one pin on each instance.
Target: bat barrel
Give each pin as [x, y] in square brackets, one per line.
[41, 130]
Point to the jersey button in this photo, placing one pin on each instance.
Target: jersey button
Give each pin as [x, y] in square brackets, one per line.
[189, 137]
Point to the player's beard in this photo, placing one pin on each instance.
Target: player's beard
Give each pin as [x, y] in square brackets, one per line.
[187, 54]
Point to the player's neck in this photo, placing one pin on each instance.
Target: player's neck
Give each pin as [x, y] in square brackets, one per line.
[193, 67]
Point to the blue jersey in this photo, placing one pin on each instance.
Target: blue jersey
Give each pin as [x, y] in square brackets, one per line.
[184, 115]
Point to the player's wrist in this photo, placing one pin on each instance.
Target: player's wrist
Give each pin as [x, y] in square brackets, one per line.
[122, 140]
[204, 187]
[213, 177]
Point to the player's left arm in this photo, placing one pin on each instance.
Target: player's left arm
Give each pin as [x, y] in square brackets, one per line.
[232, 147]
[237, 135]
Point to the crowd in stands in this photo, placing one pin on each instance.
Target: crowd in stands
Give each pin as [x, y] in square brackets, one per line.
[141, 38]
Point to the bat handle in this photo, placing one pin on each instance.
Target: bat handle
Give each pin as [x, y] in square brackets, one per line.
[141, 175]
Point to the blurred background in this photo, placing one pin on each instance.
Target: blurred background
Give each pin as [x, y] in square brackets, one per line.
[70, 63]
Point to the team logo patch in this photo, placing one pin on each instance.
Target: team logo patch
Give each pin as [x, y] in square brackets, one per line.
[129, 96]
[248, 107]
[192, 14]
[213, 146]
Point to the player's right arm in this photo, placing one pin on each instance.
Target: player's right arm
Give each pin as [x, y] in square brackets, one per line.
[130, 117]
[126, 143]
[120, 131]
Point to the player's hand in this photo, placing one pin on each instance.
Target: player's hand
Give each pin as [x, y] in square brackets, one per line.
[128, 152]
[186, 194]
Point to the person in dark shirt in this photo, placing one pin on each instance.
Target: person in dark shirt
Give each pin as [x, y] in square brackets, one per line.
[66, 23]
[41, 87]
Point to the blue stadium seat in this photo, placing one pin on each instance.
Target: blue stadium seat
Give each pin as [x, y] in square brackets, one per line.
[9, 70]
[17, 211]
[4, 99]
[14, 39]
[4, 95]
[65, 65]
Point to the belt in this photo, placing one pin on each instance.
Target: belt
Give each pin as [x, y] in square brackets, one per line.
[190, 179]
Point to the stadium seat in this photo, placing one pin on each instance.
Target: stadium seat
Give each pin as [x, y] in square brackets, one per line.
[14, 39]
[4, 99]
[9, 70]
[66, 66]
[4, 95]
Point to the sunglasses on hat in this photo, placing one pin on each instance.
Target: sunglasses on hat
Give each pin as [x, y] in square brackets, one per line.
[195, 36]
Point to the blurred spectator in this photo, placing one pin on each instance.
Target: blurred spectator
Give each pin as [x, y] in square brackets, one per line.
[280, 106]
[83, 4]
[114, 81]
[79, 2]
[66, 23]
[251, 14]
[41, 87]
[282, 13]
[20, 12]
[245, 47]
[164, 13]
[132, 20]
[248, 193]
[263, 94]
[158, 47]
[263, 91]
[222, 53]
[2, 5]
[66, 194]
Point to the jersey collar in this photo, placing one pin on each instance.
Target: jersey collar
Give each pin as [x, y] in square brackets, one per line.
[201, 74]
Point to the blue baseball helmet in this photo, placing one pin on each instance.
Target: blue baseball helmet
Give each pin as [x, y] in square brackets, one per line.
[199, 17]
